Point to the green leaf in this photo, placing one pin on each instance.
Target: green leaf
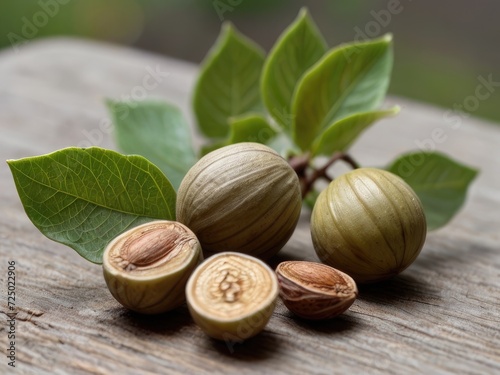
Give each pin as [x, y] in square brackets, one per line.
[440, 182]
[341, 135]
[84, 198]
[297, 49]
[251, 127]
[228, 84]
[157, 131]
[349, 79]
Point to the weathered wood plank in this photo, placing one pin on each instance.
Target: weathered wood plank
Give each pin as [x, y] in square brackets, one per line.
[442, 315]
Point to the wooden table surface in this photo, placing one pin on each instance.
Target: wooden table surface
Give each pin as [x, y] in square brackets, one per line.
[442, 315]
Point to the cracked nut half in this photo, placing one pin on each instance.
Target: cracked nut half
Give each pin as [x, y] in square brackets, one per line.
[232, 296]
[147, 267]
[314, 290]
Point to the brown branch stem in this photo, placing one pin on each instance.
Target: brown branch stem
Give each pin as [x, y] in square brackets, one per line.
[300, 164]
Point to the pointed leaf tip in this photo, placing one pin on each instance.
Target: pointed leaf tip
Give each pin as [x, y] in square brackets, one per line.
[303, 12]
[228, 83]
[298, 48]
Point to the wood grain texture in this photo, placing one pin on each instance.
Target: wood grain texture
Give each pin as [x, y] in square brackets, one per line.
[441, 316]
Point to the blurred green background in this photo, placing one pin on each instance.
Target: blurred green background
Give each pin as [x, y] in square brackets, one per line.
[441, 48]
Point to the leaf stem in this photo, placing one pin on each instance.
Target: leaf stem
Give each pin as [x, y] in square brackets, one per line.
[349, 160]
[300, 164]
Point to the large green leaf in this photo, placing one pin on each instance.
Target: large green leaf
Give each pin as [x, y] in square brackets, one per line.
[157, 131]
[297, 49]
[440, 182]
[228, 84]
[84, 198]
[349, 79]
[340, 135]
[251, 127]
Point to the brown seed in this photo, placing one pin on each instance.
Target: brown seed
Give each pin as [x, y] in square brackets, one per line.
[145, 248]
[314, 290]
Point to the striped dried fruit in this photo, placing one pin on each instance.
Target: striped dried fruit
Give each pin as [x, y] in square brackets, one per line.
[243, 197]
[368, 223]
